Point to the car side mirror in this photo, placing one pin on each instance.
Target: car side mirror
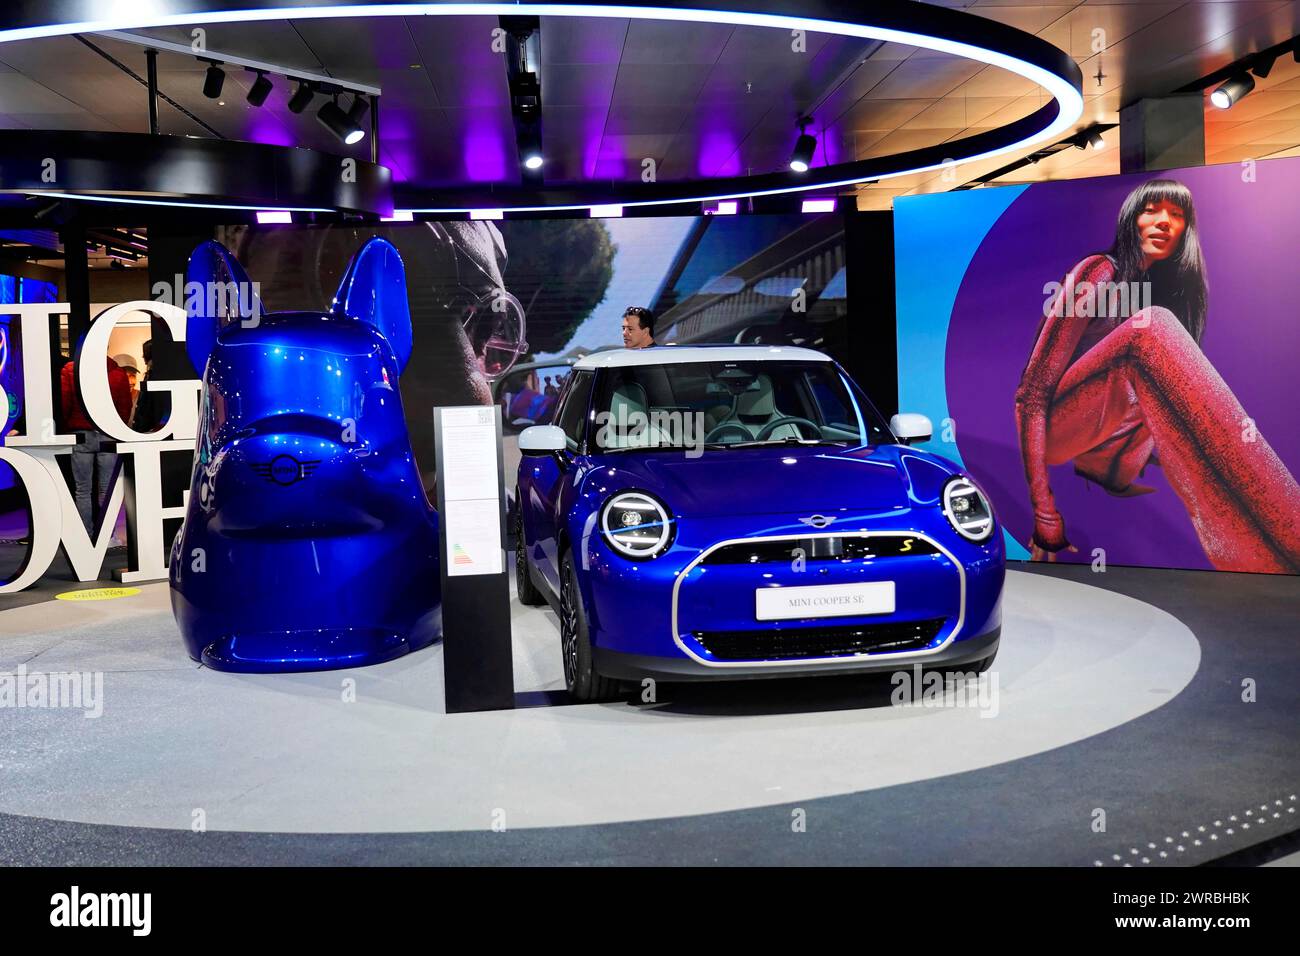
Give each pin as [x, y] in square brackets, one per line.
[910, 427]
[542, 440]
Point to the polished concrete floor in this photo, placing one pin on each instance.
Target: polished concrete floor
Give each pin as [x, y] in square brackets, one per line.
[703, 774]
[372, 749]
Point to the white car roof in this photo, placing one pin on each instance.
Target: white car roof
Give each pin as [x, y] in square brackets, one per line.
[676, 354]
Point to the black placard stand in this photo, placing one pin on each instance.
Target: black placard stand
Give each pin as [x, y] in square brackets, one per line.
[478, 666]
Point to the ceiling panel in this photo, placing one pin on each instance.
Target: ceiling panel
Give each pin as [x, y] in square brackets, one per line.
[99, 92]
[58, 54]
[578, 84]
[1194, 40]
[1273, 132]
[20, 96]
[456, 43]
[664, 42]
[902, 140]
[842, 96]
[659, 86]
[882, 114]
[1031, 18]
[576, 40]
[957, 112]
[272, 41]
[404, 89]
[700, 99]
[766, 47]
[104, 124]
[1091, 28]
[930, 77]
[362, 51]
[995, 81]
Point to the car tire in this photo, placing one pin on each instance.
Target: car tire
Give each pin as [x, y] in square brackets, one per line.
[529, 594]
[580, 677]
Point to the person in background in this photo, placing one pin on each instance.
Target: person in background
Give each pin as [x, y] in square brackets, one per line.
[132, 376]
[92, 468]
[148, 416]
[638, 328]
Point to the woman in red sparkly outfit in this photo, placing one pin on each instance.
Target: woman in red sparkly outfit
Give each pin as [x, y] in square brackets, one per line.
[1117, 380]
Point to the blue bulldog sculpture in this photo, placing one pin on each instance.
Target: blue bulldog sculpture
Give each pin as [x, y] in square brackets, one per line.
[308, 541]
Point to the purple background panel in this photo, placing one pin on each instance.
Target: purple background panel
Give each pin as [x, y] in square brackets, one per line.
[1250, 234]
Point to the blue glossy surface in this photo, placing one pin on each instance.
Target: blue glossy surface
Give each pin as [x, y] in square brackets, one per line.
[744, 493]
[308, 541]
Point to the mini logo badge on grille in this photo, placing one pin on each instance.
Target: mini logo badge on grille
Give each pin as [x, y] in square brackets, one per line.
[284, 470]
[817, 521]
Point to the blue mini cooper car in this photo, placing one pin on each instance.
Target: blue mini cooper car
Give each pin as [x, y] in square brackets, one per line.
[720, 512]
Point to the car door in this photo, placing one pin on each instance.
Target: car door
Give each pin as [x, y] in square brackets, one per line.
[549, 474]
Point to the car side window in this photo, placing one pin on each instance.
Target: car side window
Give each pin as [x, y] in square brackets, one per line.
[573, 413]
[831, 408]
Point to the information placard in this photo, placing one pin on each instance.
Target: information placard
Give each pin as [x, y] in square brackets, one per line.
[469, 481]
[478, 669]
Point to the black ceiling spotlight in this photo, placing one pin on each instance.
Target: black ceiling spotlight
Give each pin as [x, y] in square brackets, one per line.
[358, 108]
[260, 89]
[339, 123]
[804, 147]
[523, 36]
[1092, 136]
[302, 97]
[213, 80]
[1263, 66]
[530, 147]
[1232, 91]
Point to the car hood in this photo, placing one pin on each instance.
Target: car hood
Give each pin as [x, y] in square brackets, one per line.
[781, 480]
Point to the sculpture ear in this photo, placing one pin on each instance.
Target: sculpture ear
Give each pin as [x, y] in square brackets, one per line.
[373, 290]
[218, 294]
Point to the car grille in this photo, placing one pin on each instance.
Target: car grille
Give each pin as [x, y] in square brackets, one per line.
[834, 548]
[807, 642]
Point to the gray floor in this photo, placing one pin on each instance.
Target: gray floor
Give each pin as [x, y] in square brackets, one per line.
[1197, 757]
[372, 748]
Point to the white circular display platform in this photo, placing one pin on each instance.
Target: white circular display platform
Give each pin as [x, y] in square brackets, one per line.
[295, 753]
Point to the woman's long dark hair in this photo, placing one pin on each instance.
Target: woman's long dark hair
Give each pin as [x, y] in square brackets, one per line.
[1177, 283]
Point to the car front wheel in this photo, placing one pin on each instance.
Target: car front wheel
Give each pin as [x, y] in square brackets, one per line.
[580, 677]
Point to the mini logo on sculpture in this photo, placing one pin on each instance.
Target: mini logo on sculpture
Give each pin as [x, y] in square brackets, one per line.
[284, 470]
[817, 521]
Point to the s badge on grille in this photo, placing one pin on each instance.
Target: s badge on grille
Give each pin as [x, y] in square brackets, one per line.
[284, 470]
[817, 521]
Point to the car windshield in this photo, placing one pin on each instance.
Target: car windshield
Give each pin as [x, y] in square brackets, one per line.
[731, 404]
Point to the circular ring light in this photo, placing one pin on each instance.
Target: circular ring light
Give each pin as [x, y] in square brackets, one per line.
[941, 29]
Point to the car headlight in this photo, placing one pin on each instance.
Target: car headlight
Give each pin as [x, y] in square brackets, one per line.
[967, 510]
[636, 525]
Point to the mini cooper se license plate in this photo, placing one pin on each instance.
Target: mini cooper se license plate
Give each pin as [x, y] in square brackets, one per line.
[827, 600]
